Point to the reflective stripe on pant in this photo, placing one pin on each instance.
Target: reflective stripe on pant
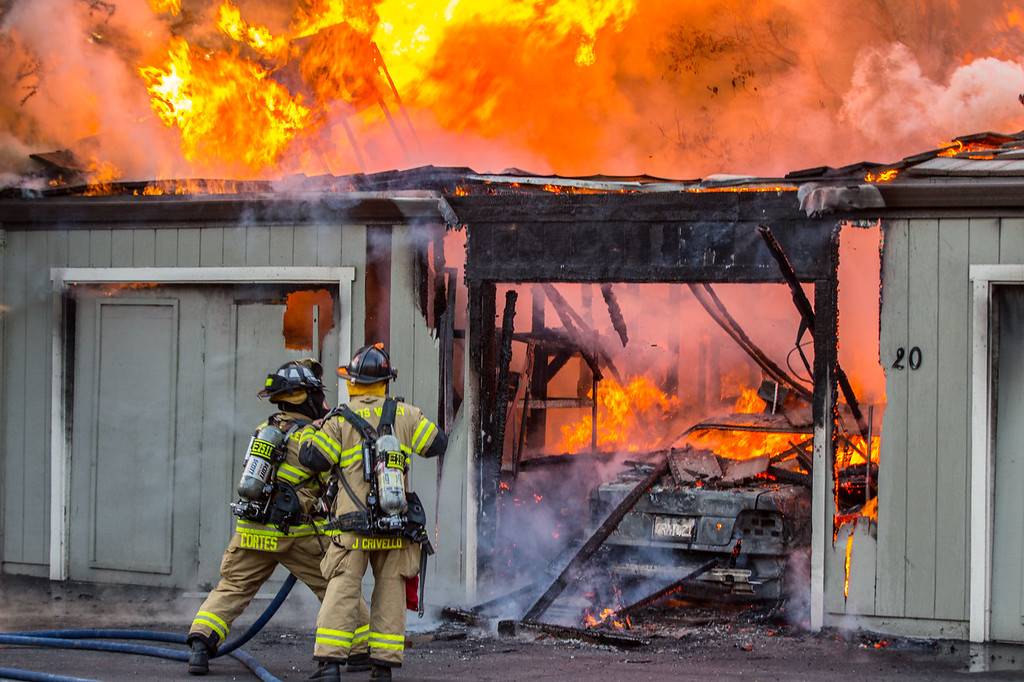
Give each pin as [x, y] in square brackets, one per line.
[339, 615]
[243, 571]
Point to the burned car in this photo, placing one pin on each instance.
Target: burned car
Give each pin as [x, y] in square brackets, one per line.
[730, 523]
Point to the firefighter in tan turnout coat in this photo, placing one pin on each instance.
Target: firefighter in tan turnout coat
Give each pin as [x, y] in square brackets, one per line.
[395, 558]
[277, 515]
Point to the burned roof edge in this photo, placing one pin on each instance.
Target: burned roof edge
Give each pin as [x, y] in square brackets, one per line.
[820, 199]
[394, 206]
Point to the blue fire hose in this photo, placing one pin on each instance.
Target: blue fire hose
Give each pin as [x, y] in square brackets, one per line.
[80, 639]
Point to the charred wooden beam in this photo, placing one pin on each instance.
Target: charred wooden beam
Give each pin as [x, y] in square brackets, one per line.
[500, 415]
[615, 313]
[787, 476]
[583, 335]
[517, 449]
[446, 394]
[456, 615]
[510, 628]
[709, 300]
[552, 340]
[572, 571]
[538, 386]
[666, 591]
[558, 362]
[482, 354]
[806, 310]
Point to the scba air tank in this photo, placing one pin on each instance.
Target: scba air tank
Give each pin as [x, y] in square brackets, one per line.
[259, 462]
[391, 476]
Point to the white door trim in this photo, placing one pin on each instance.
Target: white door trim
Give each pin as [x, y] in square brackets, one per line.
[983, 277]
[62, 278]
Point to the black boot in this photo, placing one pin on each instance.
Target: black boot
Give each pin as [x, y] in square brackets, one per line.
[199, 658]
[380, 672]
[327, 671]
[358, 663]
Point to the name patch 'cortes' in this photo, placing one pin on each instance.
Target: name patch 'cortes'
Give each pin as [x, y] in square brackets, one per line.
[261, 542]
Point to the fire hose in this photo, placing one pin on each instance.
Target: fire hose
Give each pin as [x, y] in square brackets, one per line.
[82, 639]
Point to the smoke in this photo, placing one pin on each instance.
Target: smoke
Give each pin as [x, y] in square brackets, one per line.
[891, 98]
[672, 89]
[798, 587]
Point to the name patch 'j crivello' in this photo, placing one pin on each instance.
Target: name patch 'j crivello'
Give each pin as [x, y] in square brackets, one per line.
[371, 544]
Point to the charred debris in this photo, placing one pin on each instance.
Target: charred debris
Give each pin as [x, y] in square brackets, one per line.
[675, 524]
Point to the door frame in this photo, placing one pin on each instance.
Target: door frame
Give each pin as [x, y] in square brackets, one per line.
[983, 278]
[60, 403]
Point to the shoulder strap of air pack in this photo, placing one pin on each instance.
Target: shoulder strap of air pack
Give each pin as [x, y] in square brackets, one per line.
[387, 416]
[361, 425]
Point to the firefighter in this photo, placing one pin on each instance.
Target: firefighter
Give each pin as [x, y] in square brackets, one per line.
[394, 556]
[276, 516]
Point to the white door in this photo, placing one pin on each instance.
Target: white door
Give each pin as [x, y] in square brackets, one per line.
[1008, 531]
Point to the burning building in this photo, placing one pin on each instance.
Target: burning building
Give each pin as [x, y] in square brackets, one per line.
[673, 367]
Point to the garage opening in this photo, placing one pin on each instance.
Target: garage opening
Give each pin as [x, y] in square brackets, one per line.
[654, 403]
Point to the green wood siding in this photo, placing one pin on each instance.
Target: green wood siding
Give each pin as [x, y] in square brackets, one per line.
[25, 333]
[920, 551]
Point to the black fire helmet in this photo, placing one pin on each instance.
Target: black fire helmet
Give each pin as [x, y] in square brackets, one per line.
[370, 365]
[293, 376]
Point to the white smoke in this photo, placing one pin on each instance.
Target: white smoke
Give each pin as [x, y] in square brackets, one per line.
[890, 98]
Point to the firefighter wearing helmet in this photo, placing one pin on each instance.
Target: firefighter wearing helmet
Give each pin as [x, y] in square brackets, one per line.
[368, 444]
[280, 512]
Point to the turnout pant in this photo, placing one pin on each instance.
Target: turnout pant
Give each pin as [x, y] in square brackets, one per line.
[338, 625]
[243, 571]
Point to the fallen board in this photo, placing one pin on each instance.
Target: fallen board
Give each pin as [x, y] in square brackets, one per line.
[511, 628]
[572, 570]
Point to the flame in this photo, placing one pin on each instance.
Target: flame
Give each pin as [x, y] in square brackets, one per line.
[888, 175]
[172, 7]
[744, 188]
[101, 175]
[224, 106]
[595, 617]
[870, 510]
[181, 187]
[956, 147]
[259, 38]
[741, 444]
[606, 616]
[625, 415]
[748, 402]
[242, 107]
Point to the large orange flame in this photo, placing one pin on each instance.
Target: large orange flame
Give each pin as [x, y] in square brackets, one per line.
[626, 416]
[226, 107]
[243, 105]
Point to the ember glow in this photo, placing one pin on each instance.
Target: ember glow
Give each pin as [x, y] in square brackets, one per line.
[887, 175]
[955, 148]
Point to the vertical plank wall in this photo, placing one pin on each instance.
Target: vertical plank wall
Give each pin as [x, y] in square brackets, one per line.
[414, 351]
[26, 329]
[920, 556]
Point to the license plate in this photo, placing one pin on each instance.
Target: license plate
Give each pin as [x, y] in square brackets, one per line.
[674, 527]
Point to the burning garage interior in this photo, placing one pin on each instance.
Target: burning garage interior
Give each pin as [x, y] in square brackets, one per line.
[657, 392]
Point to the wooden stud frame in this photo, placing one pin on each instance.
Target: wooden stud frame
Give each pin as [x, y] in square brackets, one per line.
[62, 278]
